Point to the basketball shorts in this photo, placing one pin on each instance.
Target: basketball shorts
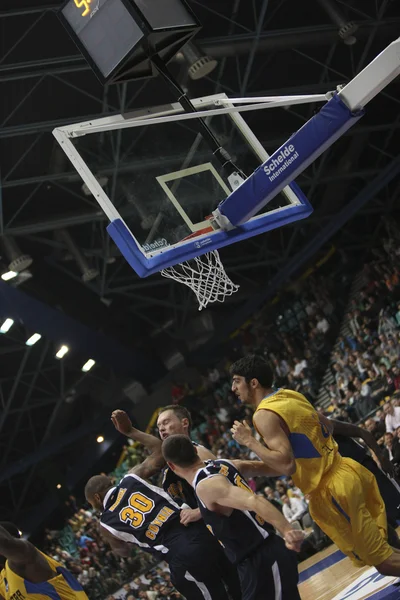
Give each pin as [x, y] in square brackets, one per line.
[195, 571]
[269, 572]
[348, 507]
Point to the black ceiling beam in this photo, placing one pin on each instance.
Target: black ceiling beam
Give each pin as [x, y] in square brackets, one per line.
[219, 47]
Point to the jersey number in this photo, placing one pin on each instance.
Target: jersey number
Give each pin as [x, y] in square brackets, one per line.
[139, 505]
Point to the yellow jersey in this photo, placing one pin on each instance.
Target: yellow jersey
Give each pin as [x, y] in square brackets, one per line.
[63, 586]
[314, 449]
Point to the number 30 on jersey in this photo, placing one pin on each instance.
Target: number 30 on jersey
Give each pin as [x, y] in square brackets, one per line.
[139, 506]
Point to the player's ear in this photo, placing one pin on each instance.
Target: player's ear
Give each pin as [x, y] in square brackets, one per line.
[185, 422]
[254, 383]
[171, 466]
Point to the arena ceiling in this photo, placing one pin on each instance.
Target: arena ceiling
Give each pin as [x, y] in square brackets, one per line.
[263, 47]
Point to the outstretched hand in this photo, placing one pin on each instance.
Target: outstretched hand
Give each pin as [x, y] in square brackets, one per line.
[241, 432]
[122, 422]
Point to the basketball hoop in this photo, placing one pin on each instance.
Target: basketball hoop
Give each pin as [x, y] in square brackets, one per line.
[204, 275]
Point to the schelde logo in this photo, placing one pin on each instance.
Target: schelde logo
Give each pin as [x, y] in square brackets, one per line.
[280, 162]
[160, 243]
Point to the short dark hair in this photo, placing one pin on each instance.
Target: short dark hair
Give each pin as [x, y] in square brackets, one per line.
[179, 450]
[10, 528]
[180, 411]
[253, 367]
[97, 485]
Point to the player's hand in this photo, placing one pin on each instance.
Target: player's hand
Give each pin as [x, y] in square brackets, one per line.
[122, 422]
[190, 515]
[241, 432]
[294, 539]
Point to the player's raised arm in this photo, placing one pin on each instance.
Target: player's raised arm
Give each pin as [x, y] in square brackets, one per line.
[123, 424]
[277, 453]
[219, 491]
[153, 463]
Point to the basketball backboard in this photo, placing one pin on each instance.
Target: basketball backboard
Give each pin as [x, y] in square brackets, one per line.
[173, 183]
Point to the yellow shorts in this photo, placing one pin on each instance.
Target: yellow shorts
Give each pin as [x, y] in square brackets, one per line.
[348, 507]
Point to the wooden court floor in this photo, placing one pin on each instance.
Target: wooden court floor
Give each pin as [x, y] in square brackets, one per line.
[329, 575]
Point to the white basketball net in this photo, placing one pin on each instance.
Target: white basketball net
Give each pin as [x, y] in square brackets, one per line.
[205, 276]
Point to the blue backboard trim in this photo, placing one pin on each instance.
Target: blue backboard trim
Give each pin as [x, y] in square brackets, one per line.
[292, 158]
[173, 255]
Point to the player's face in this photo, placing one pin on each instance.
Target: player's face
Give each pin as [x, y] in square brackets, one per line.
[242, 389]
[96, 502]
[169, 423]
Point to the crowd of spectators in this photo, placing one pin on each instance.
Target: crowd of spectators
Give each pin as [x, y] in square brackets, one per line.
[298, 343]
[366, 363]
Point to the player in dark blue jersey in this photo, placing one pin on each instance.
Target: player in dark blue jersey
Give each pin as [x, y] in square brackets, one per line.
[174, 419]
[241, 521]
[137, 512]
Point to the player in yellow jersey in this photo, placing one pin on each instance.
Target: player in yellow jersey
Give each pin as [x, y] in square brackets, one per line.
[344, 498]
[27, 573]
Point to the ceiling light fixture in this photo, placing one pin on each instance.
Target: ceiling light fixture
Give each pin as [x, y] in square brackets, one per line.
[33, 339]
[62, 352]
[6, 326]
[9, 275]
[88, 365]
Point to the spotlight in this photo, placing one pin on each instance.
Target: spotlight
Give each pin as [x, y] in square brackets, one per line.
[100, 439]
[62, 352]
[33, 339]
[199, 64]
[59, 486]
[18, 260]
[6, 326]
[9, 275]
[88, 365]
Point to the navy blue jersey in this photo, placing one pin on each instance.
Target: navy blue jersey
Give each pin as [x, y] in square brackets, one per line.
[138, 512]
[242, 531]
[179, 489]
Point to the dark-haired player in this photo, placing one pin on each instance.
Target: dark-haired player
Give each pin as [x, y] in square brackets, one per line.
[344, 498]
[28, 573]
[241, 521]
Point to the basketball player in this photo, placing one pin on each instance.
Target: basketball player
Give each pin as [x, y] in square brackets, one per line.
[344, 499]
[176, 419]
[240, 520]
[137, 512]
[28, 573]
[171, 420]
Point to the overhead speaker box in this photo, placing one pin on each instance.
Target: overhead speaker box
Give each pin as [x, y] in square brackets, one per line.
[119, 38]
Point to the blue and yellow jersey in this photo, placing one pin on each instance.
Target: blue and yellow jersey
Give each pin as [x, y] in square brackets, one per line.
[314, 449]
[63, 586]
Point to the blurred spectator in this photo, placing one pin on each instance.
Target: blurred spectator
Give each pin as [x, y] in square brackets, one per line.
[392, 417]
